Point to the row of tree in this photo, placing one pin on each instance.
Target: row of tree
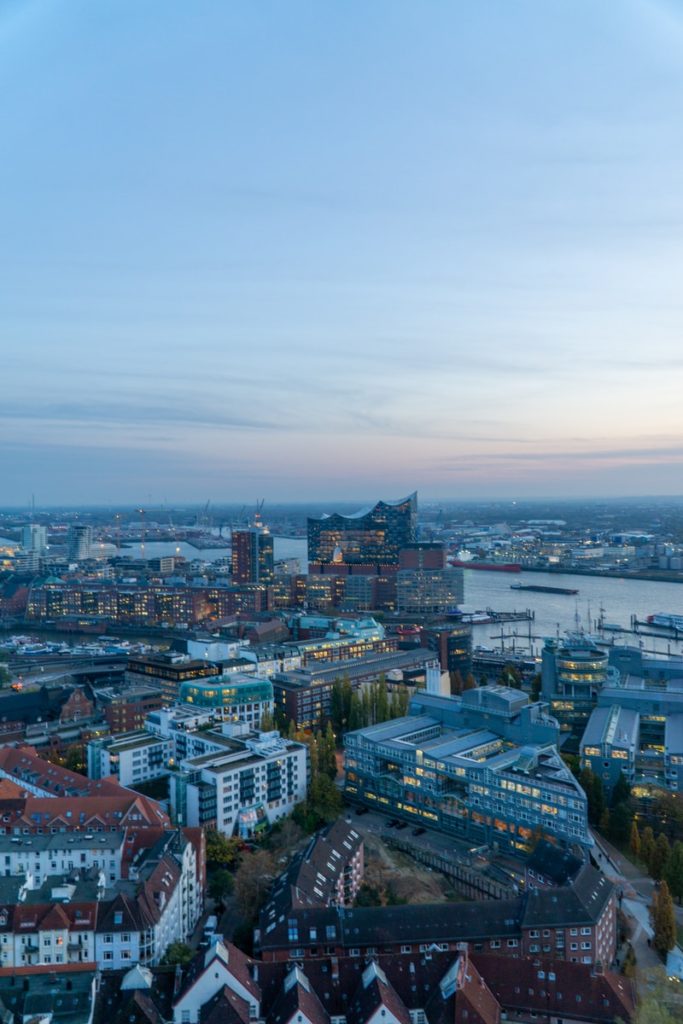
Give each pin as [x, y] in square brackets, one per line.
[373, 704]
[662, 860]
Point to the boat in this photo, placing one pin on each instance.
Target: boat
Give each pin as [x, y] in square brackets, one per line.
[666, 621]
[486, 566]
[538, 589]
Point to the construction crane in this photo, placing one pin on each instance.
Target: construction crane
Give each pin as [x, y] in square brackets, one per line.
[142, 532]
[257, 513]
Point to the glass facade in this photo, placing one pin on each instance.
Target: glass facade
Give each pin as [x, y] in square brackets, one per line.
[369, 537]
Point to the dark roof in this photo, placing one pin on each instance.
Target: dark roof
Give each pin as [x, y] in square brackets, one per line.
[579, 904]
[558, 866]
[375, 992]
[226, 1007]
[414, 923]
[318, 867]
[560, 988]
[297, 996]
[462, 995]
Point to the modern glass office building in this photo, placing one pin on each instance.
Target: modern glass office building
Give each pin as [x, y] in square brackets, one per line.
[483, 767]
[371, 536]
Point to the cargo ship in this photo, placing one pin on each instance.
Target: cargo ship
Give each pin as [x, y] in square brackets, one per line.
[537, 589]
[486, 566]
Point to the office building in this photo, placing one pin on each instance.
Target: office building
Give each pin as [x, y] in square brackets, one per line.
[80, 542]
[125, 710]
[637, 729]
[573, 672]
[453, 646]
[429, 591]
[371, 536]
[34, 538]
[304, 696]
[237, 697]
[483, 766]
[169, 671]
[252, 556]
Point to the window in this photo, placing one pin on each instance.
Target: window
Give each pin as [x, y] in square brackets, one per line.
[495, 944]
[406, 949]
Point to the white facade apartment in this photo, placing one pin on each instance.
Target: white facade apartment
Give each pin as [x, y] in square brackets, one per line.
[264, 776]
[132, 758]
[38, 856]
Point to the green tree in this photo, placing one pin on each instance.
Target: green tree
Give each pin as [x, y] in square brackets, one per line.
[221, 851]
[664, 920]
[647, 846]
[329, 752]
[604, 823]
[220, 885]
[621, 791]
[178, 953]
[368, 896]
[674, 871]
[5, 675]
[267, 722]
[634, 841]
[620, 822]
[535, 691]
[595, 794]
[355, 713]
[470, 684]
[660, 857]
[74, 759]
[382, 708]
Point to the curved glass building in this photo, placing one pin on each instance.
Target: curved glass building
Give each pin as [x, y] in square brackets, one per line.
[371, 536]
[245, 698]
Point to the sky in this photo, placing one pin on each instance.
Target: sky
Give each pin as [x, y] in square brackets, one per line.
[340, 250]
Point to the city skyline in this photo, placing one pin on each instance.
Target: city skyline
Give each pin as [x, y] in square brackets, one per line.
[327, 253]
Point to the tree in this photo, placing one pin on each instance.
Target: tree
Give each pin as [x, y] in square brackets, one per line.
[604, 823]
[664, 920]
[355, 713]
[178, 953]
[621, 791]
[252, 881]
[674, 871]
[5, 675]
[74, 759]
[620, 821]
[647, 845]
[267, 721]
[595, 794]
[660, 857]
[457, 682]
[368, 896]
[220, 885]
[535, 691]
[329, 752]
[634, 841]
[220, 850]
[658, 1000]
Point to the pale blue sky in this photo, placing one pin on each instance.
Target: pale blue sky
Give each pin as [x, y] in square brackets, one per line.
[326, 250]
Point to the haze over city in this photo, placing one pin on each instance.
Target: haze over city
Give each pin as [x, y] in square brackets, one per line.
[326, 252]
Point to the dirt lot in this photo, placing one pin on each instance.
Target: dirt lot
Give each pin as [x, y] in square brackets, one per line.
[387, 869]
